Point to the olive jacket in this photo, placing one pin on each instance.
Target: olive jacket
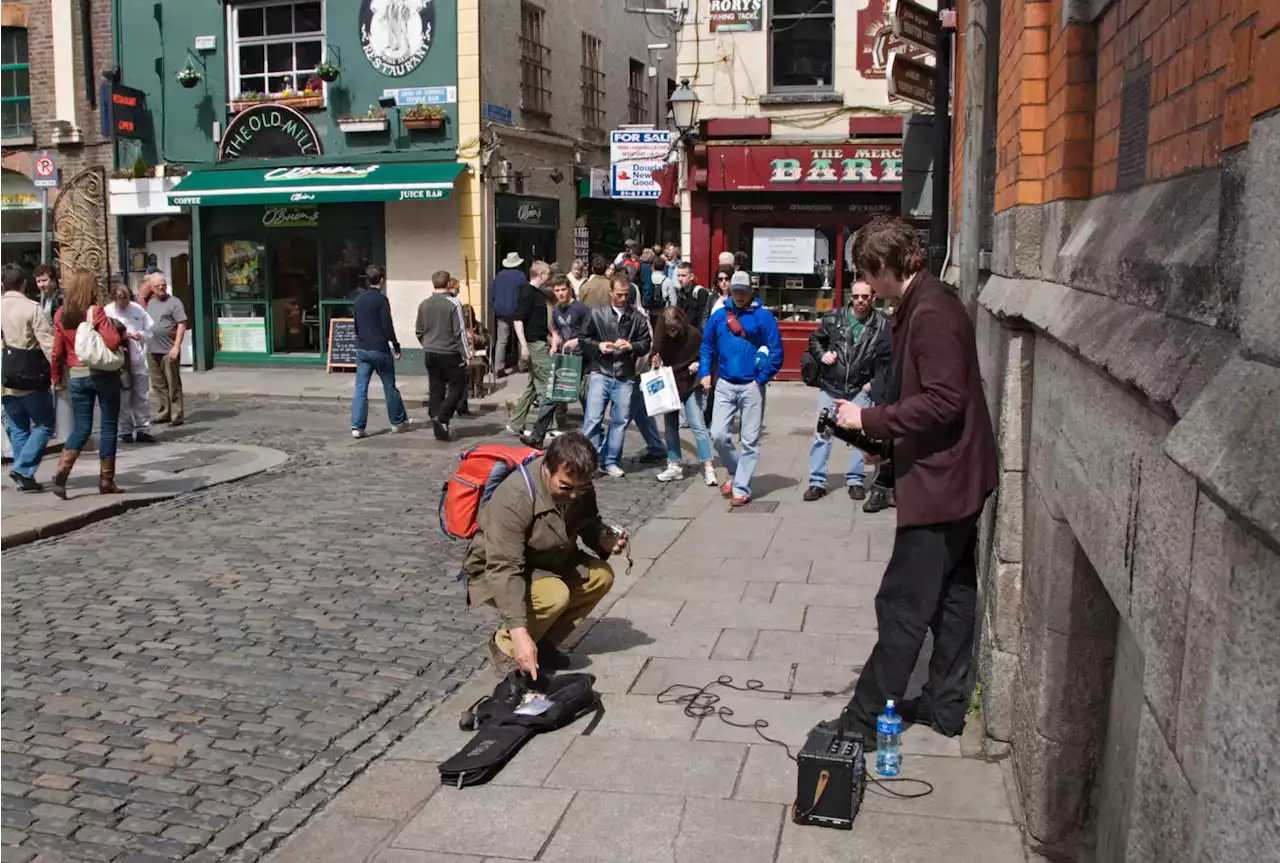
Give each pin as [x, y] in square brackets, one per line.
[524, 537]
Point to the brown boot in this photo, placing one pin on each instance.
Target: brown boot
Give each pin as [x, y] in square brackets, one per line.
[65, 463]
[107, 477]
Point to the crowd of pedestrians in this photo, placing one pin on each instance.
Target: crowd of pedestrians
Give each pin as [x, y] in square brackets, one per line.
[117, 354]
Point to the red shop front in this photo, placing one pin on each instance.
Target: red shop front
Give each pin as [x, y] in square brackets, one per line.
[792, 209]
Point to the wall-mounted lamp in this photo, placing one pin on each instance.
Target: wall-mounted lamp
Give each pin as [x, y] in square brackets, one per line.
[683, 106]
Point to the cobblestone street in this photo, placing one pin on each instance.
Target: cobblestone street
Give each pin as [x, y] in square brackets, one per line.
[190, 680]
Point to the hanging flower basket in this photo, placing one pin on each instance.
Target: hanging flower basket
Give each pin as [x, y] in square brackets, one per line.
[423, 122]
[328, 73]
[362, 124]
[188, 77]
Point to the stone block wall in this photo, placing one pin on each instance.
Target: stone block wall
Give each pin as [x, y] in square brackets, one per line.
[1129, 337]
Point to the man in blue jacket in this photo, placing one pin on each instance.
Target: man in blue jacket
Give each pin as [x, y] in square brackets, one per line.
[506, 285]
[742, 338]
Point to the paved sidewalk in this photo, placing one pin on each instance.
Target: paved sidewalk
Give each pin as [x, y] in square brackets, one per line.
[783, 595]
[147, 473]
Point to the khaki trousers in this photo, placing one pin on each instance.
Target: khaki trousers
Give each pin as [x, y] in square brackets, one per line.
[166, 387]
[558, 602]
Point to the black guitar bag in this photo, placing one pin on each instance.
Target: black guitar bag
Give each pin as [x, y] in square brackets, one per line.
[502, 732]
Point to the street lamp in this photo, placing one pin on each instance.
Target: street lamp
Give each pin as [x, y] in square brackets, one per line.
[684, 108]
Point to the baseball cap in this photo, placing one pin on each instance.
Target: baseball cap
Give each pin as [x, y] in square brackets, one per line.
[741, 281]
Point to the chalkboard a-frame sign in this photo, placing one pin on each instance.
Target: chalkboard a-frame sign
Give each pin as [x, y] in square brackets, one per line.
[342, 344]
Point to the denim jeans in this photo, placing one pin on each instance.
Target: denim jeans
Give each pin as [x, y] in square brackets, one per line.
[368, 362]
[648, 426]
[104, 388]
[603, 391]
[820, 450]
[733, 400]
[29, 421]
[701, 437]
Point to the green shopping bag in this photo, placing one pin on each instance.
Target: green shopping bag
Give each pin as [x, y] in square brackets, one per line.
[566, 378]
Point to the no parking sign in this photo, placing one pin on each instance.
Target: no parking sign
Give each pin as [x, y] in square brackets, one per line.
[44, 172]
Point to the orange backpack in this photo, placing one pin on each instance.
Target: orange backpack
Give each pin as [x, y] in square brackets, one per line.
[478, 475]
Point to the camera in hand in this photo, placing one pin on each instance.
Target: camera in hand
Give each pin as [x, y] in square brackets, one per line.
[827, 427]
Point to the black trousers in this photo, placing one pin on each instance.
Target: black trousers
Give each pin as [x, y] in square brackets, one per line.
[447, 377]
[931, 583]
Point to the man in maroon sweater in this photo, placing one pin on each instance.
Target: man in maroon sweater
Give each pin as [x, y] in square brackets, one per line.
[944, 461]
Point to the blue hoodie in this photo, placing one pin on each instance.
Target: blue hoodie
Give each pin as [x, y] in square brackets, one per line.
[737, 355]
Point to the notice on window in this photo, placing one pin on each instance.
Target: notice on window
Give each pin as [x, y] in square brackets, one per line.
[741, 16]
[242, 335]
[782, 250]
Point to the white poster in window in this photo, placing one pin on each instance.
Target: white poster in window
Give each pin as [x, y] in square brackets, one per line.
[242, 335]
[782, 250]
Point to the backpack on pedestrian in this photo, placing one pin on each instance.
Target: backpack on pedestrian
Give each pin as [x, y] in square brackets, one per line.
[479, 473]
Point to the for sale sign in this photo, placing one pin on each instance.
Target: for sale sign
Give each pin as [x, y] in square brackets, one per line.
[634, 154]
[742, 16]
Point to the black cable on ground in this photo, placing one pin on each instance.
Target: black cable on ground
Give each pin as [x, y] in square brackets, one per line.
[699, 703]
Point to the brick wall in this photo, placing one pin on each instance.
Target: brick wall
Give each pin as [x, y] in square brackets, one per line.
[95, 150]
[1059, 109]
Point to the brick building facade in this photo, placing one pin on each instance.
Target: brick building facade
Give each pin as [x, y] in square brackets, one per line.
[60, 90]
[1128, 320]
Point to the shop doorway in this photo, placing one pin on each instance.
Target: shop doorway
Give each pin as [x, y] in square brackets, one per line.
[173, 258]
[295, 295]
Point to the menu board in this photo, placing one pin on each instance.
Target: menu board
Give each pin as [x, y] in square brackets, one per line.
[342, 344]
[242, 335]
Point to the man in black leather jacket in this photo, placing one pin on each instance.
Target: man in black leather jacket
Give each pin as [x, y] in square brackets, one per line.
[849, 349]
[614, 337]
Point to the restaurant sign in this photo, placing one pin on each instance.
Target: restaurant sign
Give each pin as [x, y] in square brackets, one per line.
[795, 168]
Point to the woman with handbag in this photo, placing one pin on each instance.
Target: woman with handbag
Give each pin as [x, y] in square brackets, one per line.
[87, 360]
[678, 346]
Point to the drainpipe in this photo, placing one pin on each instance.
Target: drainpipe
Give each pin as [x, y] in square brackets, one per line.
[973, 156]
[939, 223]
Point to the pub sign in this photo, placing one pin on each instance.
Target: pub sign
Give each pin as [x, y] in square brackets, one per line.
[862, 167]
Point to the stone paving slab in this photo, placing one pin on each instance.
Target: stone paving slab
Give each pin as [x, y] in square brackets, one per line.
[865, 574]
[649, 767]
[336, 834]
[620, 636]
[644, 611]
[965, 789]
[765, 569]
[779, 646]
[656, 536]
[640, 717]
[147, 473]
[701, 588]
[391, 790]
[753, 615]
[789, 719]
[837, 620]
[486, 820]
[659, 674]
[606, 827]
[883, 838]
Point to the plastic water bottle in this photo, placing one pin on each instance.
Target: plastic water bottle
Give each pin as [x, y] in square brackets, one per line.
[888, 737]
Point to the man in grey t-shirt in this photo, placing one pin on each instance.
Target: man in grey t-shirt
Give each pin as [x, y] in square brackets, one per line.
[165, 350]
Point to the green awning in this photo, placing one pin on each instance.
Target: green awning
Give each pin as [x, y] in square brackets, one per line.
[316, 184]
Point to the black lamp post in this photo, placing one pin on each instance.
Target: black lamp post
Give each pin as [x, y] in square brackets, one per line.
[684, 109]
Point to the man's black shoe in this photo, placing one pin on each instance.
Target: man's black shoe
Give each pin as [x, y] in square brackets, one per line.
[143, 437]
[441, 430]
[814, 492]
[880, 498]
[857, 491]
[552, 658]
[651, 457]
[469, 414]
[917, 711]
[527, 438]
[25, 483]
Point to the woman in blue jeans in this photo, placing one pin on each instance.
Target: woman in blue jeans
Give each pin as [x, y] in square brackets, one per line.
[87, 385]
[677, 345]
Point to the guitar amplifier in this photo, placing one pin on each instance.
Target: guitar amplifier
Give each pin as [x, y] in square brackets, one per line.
[831, 778]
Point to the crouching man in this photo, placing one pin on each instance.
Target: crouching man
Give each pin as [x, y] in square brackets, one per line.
[525, 559]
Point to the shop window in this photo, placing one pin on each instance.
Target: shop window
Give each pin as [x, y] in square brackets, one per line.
[535, 61]
[274, 46]
[15, 84]
[637, 97]
[592, 87]
[801, 45]
[345, 262]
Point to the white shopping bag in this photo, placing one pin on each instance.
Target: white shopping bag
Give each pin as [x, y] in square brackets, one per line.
[659, 388]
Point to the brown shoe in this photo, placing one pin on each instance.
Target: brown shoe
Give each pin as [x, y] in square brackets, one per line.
[107, 477]
[65, 462]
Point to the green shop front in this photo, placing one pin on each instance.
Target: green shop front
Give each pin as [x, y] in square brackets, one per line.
[283, 250]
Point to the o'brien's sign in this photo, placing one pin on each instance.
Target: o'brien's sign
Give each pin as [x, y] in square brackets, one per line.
[334, 172]
[846, 167]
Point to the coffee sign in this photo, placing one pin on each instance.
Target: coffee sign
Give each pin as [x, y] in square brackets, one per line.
[269, 131]
[787, 168]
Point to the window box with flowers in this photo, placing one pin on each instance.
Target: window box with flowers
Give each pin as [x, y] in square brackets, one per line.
[309, 98]
[373, 120]
[424, 117]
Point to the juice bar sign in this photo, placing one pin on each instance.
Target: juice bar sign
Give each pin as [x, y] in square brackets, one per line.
[845, 168]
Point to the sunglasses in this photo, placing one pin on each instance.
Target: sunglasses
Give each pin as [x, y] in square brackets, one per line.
[722, 278]
[571, 488]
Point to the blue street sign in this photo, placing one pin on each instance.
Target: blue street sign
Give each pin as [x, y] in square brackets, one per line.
[497, 113]
[424, 95]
